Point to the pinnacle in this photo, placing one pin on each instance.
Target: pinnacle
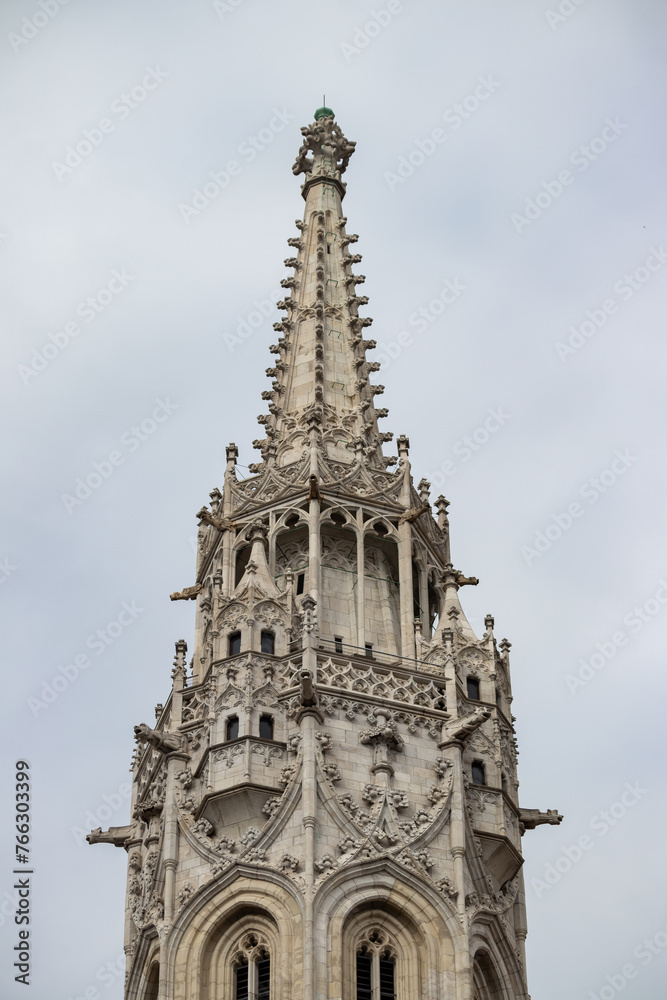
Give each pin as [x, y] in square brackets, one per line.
[326, 397]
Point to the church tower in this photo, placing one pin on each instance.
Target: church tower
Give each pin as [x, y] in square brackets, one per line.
[327, 805]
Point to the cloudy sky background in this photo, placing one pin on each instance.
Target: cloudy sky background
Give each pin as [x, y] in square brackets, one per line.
[168, 335]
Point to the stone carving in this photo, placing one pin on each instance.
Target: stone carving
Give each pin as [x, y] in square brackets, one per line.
[386, 733]
[458, 730]
[164, 742]
[188, 593]
[323, 144]
[229, 755]
[203, 828]
[250, 836]
[272, 805]
[530, 818]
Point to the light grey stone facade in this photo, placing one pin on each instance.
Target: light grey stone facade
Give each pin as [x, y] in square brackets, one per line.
[328, 801]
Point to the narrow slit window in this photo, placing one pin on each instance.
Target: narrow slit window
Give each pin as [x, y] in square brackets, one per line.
[241, 976]
[369, 649]
[472, 685]
[264, 979]
[234, 643]
[266, 727]
[232, 728]
[300, 581]
[364, 967]
[338, 643]
[268, 643]
[386, 970]
[478, 773]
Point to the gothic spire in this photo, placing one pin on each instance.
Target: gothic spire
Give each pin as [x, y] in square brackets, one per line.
[321, 400]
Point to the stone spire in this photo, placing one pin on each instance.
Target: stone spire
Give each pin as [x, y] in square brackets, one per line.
[330, 792]
[321, 397]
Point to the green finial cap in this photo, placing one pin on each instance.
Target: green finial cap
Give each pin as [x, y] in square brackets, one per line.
[323, 112]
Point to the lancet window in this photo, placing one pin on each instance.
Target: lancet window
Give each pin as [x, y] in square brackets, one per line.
[252, 969]
[375, 967]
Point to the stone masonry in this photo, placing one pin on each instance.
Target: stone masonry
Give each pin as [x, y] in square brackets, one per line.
[327, 805]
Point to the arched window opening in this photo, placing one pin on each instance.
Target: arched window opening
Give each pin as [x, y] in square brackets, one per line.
[268, 642]
[381, 528]
[292, 521]
[486, 980]
[364, 976]
[264, 979]
[300, 582]
[266, 727]
[234, 643]
[232, 728]
[478, 773]
[376, 968]
[338, 518]
[252, 970]
[386, 970]
[241, 976]
[472, 685]
[153, 983]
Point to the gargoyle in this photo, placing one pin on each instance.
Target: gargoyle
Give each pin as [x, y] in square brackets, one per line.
[411, 515]
[467, 581]
[308, 694]
[187, 594]
[530, 818]
[460, 729]
[221, 523]
[313, 488]
[164, 742]
[116, 835]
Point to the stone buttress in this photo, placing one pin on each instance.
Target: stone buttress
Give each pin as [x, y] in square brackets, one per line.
[327, 805]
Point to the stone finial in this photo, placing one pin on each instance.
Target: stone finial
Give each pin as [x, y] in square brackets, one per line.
[489, 622]
[257, 530]
[308, 613]
[324, 146]
[424, 488]
[181, 647]
[232, 453]
[441, 506]
[505, 646]
[403, 445]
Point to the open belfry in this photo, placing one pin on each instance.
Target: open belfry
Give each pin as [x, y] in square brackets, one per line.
[327, 805]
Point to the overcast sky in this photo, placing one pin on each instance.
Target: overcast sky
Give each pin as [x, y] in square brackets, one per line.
[541, 199]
